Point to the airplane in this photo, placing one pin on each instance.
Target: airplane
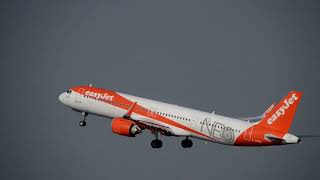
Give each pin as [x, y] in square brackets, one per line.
[132, 114]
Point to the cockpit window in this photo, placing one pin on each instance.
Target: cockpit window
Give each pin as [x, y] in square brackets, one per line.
[69, 91]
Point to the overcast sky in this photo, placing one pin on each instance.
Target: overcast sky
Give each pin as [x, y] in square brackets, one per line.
[229, 56]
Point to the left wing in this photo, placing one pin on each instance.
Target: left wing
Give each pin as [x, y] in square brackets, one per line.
[146, 123]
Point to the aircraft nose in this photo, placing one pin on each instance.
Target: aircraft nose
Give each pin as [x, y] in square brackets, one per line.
[61, 97]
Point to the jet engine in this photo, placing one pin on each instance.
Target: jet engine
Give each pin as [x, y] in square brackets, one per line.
[125, 127]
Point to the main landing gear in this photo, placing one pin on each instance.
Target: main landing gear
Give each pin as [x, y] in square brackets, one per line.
[186, 143]
[83, 122]
[157, 143]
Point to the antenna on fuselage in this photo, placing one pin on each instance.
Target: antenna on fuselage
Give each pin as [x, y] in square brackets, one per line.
[90, 84]
[213, 113]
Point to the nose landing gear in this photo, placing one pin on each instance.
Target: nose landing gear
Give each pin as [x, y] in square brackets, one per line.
[83, 122]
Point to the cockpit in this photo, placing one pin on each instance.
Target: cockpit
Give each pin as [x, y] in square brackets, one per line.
[63, 97]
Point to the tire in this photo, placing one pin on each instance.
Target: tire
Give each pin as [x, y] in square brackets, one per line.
[156, 143]
[186, 143]
[159, 143]
[82, 123]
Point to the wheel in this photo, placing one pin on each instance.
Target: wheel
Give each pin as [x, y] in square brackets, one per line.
[156, 143]
[186, 143]
[82, 123]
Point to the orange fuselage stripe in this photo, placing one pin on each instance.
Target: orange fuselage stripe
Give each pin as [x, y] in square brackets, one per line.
[124, 103]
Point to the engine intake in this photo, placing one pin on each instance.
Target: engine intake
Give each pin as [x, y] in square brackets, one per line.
[124, 127]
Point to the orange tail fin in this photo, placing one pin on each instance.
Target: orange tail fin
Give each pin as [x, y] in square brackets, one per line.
[281, 116]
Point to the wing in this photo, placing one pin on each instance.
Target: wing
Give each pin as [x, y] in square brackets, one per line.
[252, 119]
[154, 126]
[258, 118]
[146, 123]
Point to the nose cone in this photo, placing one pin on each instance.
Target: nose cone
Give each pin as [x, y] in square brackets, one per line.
[61, 97]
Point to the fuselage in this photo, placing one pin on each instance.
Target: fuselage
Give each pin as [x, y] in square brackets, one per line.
[172, 119]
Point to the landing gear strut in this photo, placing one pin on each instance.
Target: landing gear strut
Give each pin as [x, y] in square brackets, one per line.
[186, 143]
[156, 143]
[83, 122]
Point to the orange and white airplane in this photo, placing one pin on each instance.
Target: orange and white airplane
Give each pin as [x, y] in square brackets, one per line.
[131, 114]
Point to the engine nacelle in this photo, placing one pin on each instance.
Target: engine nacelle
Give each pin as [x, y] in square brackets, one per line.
[124, 127]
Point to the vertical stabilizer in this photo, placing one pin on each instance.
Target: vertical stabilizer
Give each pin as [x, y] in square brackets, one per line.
[281, 116]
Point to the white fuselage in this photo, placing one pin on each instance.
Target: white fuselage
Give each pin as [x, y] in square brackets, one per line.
[203, 125]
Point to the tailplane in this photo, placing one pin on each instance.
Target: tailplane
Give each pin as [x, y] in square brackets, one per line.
[280, 117]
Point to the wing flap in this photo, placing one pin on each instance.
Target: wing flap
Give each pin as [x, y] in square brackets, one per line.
[147, 124]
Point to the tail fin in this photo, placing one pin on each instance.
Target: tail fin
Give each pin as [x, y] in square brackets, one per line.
[281, 116]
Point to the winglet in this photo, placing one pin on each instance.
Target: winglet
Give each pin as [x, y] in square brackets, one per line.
[130, 111]
[269, 109]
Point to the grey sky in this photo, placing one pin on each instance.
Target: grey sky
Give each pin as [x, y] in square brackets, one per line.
[229, 56]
